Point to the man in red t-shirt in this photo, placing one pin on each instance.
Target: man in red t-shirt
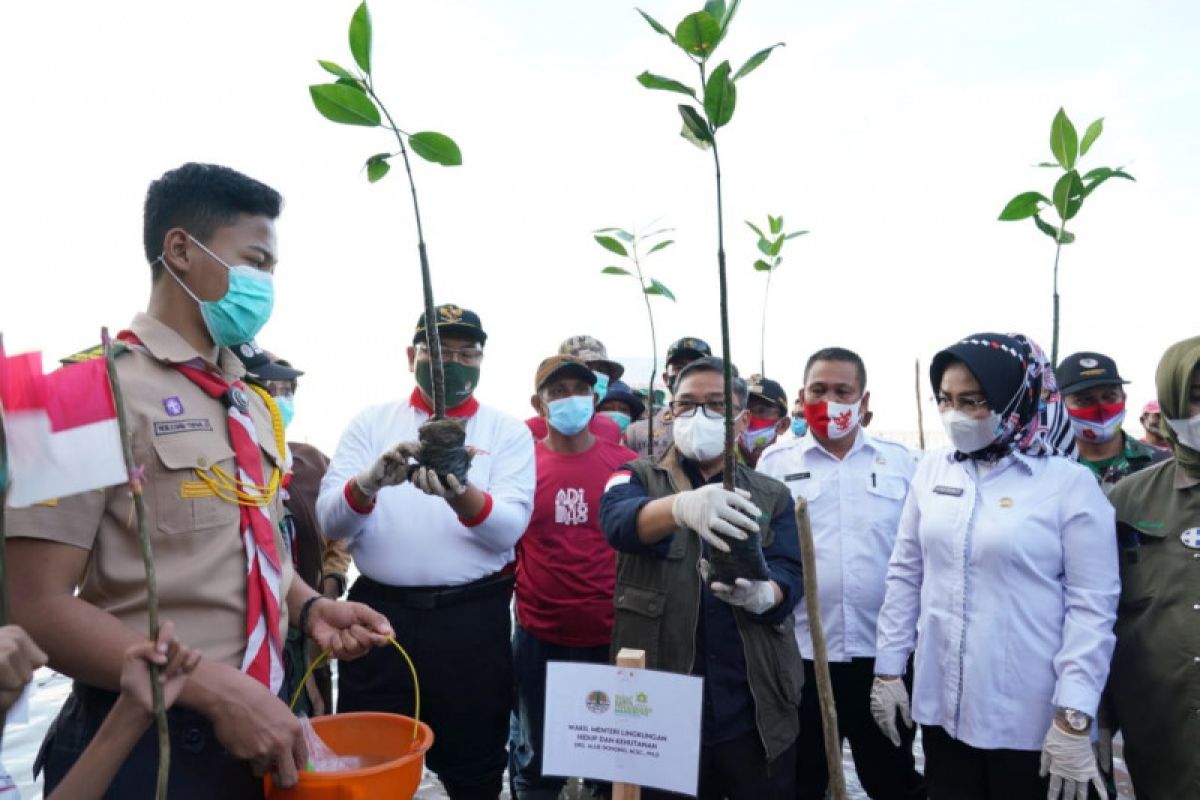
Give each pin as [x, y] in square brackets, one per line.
[566, 571]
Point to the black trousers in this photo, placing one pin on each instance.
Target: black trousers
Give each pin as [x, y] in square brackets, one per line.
[885, 771]
[738, 770]
[201, 768]
[459, 643]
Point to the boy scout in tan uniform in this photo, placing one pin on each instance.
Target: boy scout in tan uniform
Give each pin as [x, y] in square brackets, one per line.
[1154, 685]
[204, 218]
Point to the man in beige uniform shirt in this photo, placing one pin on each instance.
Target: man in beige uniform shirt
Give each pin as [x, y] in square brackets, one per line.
[210, 237]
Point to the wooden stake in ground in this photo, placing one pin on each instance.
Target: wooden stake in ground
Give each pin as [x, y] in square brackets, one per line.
[920, 409]
[628, 657]
[829, 726]
[139, 506]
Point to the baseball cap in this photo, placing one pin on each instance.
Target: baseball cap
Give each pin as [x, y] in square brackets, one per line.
[559, 365]
[591, 350]
[770, 391]
[453, 321]
[1152, 407]
[1080, 371]
[620, 392]
[260, 364]
[688, 346]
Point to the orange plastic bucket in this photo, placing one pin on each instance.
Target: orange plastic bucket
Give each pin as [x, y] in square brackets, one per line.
[385, 740]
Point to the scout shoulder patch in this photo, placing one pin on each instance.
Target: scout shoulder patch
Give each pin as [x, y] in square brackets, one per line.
[93, 353]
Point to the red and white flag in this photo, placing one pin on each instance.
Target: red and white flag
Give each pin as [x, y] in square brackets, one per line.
[63, 436]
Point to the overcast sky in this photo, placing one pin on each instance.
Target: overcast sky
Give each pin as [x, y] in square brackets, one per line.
[894, 131]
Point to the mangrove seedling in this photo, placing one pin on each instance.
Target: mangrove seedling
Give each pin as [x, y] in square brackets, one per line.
[1067, 196]
[770, 246]
[630, 246]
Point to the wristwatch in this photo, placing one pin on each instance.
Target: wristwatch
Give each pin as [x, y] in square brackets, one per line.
[1076, 720]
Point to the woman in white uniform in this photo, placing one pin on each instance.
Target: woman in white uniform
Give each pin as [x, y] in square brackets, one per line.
[1004, 585]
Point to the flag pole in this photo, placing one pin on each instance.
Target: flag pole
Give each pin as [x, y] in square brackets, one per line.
[920, 410]
[139, 505]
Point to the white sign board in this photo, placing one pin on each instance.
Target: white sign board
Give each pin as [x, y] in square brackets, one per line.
[623, 725]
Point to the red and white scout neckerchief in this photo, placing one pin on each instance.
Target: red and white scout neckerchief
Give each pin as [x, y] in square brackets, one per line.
[264, 649]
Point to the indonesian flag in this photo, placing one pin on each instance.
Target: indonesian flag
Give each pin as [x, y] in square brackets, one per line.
[62, 430]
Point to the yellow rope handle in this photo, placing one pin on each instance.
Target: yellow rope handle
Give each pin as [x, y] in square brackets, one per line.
[411, 668]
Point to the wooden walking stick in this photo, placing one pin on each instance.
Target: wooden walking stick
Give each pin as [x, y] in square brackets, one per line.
[139, 506]
[833, 742]
[920, 410]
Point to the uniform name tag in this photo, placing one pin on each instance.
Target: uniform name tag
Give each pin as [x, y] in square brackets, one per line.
[181, 426]
[949, 491]
[797, 476]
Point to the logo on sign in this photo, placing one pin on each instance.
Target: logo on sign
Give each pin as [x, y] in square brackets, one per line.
[597, 702]
[629, 705]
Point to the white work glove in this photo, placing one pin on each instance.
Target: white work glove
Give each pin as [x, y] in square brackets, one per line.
[1071, 764]
[426, 479]
[887, 698]
[714, 512]
[390, 469]
[756, 597]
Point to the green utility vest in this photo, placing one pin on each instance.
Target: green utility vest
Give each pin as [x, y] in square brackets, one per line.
[658, 604]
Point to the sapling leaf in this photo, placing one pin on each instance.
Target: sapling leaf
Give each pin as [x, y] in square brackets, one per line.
[345, 104]
[353, 83]
[1023, 205]
[335, 70]
[695, 129]
[764, 247]
[1099, 175]
[1052, 231]
[621, 233]
[657, 288]
[612, 245]
[656, 25]
[665, 243]
[716, 8]
[727, 18]
[757, 231]
[436, 147]
[652, 81]
[720, 96]
[775, 223]
[697, 34]
[794, 234]
[378, 166]
[1067, 189]
[1051, 164]
[762, 266]
[1064, 141]
[755, 61]
[615, 271]
[777, 245]
[360, 37]
[1091, 135]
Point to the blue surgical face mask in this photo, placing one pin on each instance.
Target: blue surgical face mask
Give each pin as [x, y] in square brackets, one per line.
[243, 311]
[287, 409]
[620, 417]
[570, 415]
[799, 426]
[601, 387]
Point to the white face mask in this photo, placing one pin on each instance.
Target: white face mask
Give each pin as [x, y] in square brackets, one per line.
[969, 434]
[1188, 431]
[698, 437]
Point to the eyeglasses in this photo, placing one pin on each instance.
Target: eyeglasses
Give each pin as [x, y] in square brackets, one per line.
[467, 356]
[714, 409]
[965, 404]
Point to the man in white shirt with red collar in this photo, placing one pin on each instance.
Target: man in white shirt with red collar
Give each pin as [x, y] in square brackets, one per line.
[434, 556]
[855, 485]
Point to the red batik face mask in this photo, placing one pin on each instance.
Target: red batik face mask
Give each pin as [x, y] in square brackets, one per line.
[1098, 423]
[832, 420]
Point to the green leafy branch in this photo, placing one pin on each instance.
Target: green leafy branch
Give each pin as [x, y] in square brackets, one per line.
[1067, 197]
[698, 34]
[352, 100]
[627, 245]
[770, 246]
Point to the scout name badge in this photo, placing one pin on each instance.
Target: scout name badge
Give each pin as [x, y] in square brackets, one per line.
[1191, 538]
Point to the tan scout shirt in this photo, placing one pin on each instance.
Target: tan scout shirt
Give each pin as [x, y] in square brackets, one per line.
[1154, 685]
[195, 535]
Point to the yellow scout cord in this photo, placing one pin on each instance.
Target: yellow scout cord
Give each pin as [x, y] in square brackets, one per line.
[229, 488]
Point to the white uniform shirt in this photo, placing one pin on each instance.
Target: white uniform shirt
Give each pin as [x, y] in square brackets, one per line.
[1005, 582]
[415, 539]
[854, 504]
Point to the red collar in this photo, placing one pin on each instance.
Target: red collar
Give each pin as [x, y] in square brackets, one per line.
[466, 408]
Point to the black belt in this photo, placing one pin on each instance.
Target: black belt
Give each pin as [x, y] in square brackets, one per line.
[426, 598]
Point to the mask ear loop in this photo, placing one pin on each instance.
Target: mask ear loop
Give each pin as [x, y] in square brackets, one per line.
[163, 260]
